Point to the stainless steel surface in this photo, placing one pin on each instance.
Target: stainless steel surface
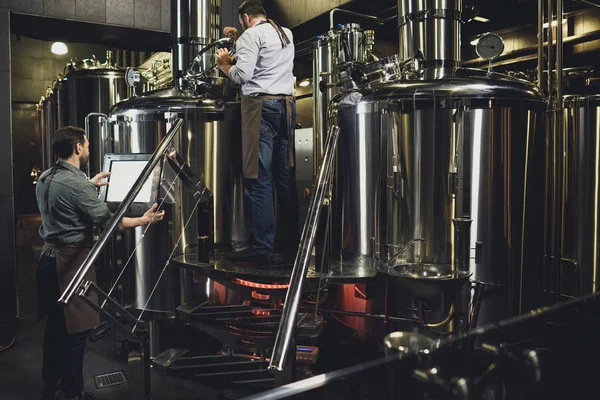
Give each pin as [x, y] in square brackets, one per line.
[211, 146]
[428, 281]
[305, 170]
[43, 136]
[194, 24]
[349, 45]
[462, 253]
[550, 18]
[350, 270]
[92, 90]
[559, 53]
[540, 48]
[115, 221]
[287, 326]
[433, 27]
[103, 142]
[580, 253]
[50, 124]
[386, 69]
[201, 66]
[414, 155]
[324, 89]
[408, 343]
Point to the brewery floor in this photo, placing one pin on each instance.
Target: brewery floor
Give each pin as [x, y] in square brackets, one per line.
[20, 365]
[20, 370]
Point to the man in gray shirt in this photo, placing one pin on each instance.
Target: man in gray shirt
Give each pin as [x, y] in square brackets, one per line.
[263, 66]
[70, 207]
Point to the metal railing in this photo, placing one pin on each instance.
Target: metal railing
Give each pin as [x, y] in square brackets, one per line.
[79, 278]
[287, 326]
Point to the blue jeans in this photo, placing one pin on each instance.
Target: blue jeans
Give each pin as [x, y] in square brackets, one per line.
[275, 140]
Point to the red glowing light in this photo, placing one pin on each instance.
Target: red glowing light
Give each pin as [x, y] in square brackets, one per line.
[261, 313]
[259, 285]
[260, 296]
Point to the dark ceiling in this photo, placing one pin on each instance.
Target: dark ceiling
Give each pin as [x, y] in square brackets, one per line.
[51, 29]
[501, 13]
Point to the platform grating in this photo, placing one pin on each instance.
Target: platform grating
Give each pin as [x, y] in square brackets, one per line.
[110, 379]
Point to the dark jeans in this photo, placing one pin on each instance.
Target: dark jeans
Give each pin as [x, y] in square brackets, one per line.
[63, 353]
[275, 139]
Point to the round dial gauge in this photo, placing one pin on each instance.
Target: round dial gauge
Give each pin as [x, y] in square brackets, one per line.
[132, 77]
[489, 46]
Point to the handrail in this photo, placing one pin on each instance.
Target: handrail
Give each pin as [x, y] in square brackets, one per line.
[357, 14]
[287, 326]
[115, 221]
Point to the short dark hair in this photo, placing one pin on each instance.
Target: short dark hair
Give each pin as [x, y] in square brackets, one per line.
[252, 8]
[66, 140]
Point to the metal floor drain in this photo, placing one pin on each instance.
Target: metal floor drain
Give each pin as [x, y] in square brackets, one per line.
[110, 379]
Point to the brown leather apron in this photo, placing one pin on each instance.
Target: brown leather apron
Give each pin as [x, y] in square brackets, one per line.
[79, 316]
[251, 118]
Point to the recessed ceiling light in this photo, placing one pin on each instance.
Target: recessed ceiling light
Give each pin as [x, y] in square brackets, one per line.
[304, 83]
[481, 19]
[59, 48]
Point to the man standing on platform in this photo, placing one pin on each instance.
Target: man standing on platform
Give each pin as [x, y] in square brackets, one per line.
[263, 66]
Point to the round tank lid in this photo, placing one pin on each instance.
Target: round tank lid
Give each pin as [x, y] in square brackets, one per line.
[454, 84]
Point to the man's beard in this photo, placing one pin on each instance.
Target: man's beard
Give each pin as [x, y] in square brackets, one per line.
[83, 162]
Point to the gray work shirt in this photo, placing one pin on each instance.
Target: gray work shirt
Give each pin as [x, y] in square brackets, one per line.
[262, 65]
[73, 206]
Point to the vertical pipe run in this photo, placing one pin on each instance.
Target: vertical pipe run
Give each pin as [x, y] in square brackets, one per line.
[560, 135]
[559, 53]
[550, 93]
[540, 61]
[433, 28]
[194, 25]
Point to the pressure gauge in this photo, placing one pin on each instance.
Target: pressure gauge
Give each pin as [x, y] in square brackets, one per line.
[489, 46]
[132, 77]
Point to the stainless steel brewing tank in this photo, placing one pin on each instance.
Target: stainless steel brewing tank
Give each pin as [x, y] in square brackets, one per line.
[92, 90]
[41, 123]
[413, 155]
[50, 124]
[210, 143]
[581, 212]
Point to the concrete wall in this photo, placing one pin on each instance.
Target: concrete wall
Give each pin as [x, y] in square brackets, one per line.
[34, 66]
[142, 14]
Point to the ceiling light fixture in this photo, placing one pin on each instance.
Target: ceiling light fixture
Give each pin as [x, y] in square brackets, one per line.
[481, 19]
[304, 83]
[555, 23]
[59, 48]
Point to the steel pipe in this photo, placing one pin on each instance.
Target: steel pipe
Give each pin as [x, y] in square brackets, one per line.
[540, 54]
[287, 326]
[559, 53]
[332, 12]
[115, 221]
[102, 117]
[550, 93]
